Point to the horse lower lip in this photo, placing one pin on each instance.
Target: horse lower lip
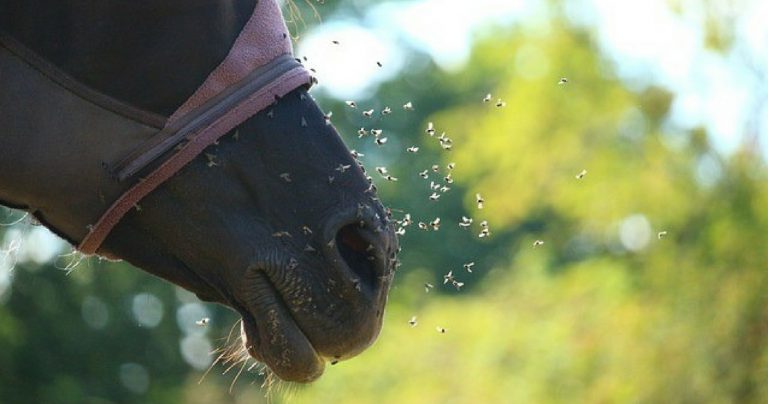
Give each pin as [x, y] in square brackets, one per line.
[250, 336]
[274, 337]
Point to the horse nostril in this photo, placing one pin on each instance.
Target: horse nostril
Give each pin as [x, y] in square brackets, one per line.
[359, 255]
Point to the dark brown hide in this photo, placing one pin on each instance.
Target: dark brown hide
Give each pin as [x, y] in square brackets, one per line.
[255, 223]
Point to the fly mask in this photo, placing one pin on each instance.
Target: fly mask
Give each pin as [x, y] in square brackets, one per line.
[259, 69]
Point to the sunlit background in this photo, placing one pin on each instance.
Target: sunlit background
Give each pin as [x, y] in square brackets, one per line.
[619, 149]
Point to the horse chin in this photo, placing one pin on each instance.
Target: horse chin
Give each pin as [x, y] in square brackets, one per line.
[272, 336]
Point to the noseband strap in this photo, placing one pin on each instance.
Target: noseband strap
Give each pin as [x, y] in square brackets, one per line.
[188, 126]
[258, 69]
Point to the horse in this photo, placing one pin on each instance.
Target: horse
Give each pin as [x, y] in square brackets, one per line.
[180, 136]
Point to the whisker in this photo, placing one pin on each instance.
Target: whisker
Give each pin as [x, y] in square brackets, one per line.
[15, 222]
[218, 358]
[314, 10]
[232, 385]
[234, 363]
[75, 258]
[232, 329]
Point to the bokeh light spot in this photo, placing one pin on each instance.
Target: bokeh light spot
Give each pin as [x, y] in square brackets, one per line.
[134, 377]
[196, 351]
[635, 232]
[95, 313]
[147, 309]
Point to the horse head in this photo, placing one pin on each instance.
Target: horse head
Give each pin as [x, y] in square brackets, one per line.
[279, 223]
[275, 219]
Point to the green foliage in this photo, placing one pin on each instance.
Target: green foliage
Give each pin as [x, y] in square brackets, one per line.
[582, 318]
[650, 285]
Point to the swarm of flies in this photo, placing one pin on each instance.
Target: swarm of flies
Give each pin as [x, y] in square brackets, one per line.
[437, 178]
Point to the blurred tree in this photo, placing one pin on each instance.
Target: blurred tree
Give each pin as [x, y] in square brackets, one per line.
[650, 285]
